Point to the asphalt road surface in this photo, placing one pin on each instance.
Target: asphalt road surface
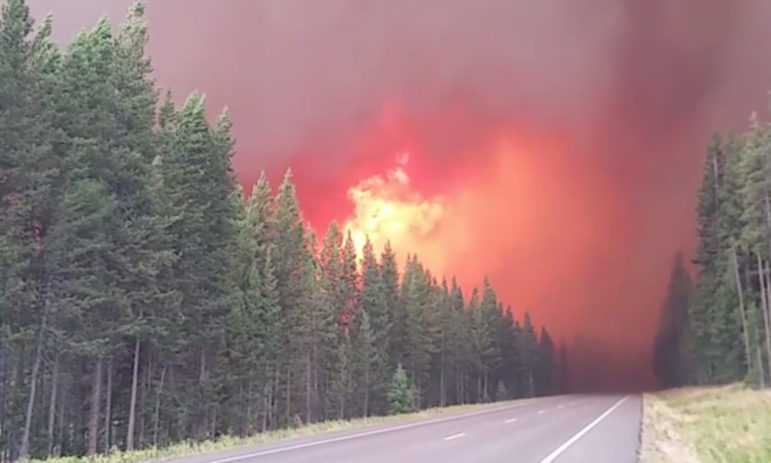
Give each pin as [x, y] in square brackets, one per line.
[561, 429]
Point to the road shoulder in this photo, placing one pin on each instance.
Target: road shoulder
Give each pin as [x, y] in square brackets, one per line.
[707, 424]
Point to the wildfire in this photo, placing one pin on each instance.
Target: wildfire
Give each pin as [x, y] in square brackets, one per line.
[512, 208]
[386, 208]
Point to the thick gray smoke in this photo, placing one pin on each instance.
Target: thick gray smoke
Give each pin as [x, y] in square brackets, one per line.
[634, 88]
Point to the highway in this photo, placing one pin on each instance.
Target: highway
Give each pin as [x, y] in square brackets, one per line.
[561, 429]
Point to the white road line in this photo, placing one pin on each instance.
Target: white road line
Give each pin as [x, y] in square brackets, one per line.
[541, 412]
[558, 451]
[374, 432]
[456, 436]
[510, 420]
[560, 406]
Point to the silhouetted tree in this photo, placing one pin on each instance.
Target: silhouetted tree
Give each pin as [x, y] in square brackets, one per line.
[669, 349]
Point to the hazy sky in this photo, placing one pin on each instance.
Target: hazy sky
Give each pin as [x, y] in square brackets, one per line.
[615, 99]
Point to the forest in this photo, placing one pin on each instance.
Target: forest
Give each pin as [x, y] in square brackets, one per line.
[145, 300]
[717, 330]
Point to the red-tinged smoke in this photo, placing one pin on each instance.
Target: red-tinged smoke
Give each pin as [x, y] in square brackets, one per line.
[555, 145]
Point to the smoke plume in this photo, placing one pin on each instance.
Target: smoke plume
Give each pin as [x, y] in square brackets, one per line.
[560, 141]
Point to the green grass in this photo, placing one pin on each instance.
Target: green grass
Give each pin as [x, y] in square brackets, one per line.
[230, 442]
[707, 425]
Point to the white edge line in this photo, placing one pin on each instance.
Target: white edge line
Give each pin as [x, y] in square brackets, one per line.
[366, 433]
[510, 420]
[456, 436]
[541, 412]
[558, 451]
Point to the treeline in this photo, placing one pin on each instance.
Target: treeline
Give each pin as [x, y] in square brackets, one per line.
[144, 302]
[717, 330]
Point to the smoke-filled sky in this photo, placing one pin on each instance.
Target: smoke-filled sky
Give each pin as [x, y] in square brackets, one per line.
[554, 145]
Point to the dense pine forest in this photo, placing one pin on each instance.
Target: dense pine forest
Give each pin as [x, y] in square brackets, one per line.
[718, 328]
[145, 301]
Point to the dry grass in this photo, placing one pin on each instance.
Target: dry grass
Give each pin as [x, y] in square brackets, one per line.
[230, 442]
[707, 425]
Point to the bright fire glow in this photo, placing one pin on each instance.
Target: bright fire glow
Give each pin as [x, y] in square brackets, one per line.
[511, 207]
[386, 208]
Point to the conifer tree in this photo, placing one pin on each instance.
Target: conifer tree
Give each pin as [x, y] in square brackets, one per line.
[368, 359]
[333, 358]
[29, 180]
[708, 257]
[726, 324]
[400, 396]
[416, 299]
[756, 232]
[373, 304]
[397, 330]
[492, 314]
[341, 386]
[669, 355]
[731, 227]
[480, 344]
[545, 366]
[294, 274]
[459, 343]
[506, 339]
[528, 348]
[144, 301]
[350, 280]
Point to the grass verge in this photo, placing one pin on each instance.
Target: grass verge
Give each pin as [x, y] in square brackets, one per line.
[230, 442]
[707, 425]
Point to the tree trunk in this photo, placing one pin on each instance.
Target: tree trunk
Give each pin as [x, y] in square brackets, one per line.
[341, 409]
[761, 373]
[249, 397]
[267, 402]
[213, 426]
[157, 416]
[202, 427]
[767, 315]
[742, 314]
[763, 296]
[442, 392]
[459, 387]
[57, 450]
[143, 396]
[93, 422]
[486, 389]
[108, 408]
[763, 299]
[52, 406]
[316, 396]
[463, 393]
[24, 447]
[133, 400]
[3, 425]
[275, 398]
[242, 417]
[308, 390]
[767, 204]
[288, 410]
[366, 388]
[715, 182]
[479, 387]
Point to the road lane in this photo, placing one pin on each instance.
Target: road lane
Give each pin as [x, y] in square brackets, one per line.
[531, 438]
[388, 442]
[562, 429]
[615, 439]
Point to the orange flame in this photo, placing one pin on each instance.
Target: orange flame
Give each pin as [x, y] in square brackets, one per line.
[519, 212]
[386, 208]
